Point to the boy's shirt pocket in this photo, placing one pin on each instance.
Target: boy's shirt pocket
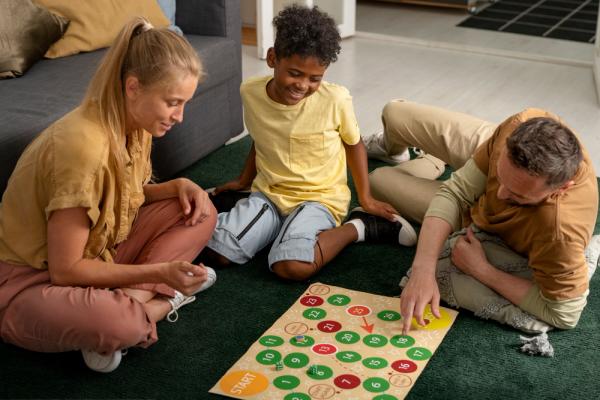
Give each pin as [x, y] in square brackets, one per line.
[313, 150]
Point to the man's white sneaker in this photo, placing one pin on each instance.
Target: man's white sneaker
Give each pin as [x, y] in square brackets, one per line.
[376, 149]
[180, 299]
[100, 363]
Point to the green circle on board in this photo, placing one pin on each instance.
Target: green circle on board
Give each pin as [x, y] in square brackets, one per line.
[348, 356]
[375, 340]
[402, 341]
[314, 313]
[286, 382]
[271, 341]
[322, 372]
[375, 362]
[307, 341]
[347, 337]
[385, 397]
[338, 300]
[296, 396]
[268, 357]
[418, 353]
[295, 360]
[389, 315]
[376, 385]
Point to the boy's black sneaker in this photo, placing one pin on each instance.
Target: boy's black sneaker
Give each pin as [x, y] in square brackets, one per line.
[225, 201]
[380, 230]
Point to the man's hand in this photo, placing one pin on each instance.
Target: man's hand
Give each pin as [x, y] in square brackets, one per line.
[422, 289]
[194, 202]
[379, 208]
[469, 257]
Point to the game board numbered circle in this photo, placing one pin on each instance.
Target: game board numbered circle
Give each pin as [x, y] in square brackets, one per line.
[329, 326]
[296, 360]
[431, 322]
[402, 341]
[268, 357]
[243, 383]
[338, 300]
[359, 311]
[346, 381]
[296, 396]
[324, 349]
[347, 337]
[389, 315]
[319, 372]
[286, 382]
[418, 353]
[385, 397]
[311, 301]
[321, 391]
[400, 380]
[319, 289]
[375, 362]
[296, 328]
[375, 340]
[404, 366]
[271, 341]
[376, 385]
[314, 313]
[348, 356]
[306, 341]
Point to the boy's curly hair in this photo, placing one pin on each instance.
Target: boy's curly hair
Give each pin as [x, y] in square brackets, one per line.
[306, 32]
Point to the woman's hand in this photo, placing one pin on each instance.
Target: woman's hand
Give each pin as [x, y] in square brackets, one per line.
[194, 201]
[183, 276]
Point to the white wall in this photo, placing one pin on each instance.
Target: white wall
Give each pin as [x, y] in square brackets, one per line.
[248, 10]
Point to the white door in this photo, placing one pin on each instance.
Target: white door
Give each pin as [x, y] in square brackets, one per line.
[342, 11]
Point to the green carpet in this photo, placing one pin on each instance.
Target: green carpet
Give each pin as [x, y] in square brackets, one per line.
[477, 360]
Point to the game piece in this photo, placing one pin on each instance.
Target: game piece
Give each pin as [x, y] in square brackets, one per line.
[337, 344]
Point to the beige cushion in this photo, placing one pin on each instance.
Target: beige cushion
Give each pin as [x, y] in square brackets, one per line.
[96, 23]
[26, 32]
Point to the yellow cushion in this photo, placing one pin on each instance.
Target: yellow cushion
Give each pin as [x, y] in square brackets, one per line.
[96, 23]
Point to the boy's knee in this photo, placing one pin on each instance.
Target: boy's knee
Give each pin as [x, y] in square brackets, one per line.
[564, 321]
[293, 270]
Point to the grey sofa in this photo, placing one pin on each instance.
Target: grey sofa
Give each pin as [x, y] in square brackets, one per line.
[51, 88]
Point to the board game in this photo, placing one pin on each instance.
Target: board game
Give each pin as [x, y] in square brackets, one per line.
[335, 343]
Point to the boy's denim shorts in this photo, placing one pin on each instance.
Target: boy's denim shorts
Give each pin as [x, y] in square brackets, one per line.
[255, 222]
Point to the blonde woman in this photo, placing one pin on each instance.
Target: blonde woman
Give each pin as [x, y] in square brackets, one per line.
[80, 214]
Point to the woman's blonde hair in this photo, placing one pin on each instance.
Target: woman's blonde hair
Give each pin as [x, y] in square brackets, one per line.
[153, 56]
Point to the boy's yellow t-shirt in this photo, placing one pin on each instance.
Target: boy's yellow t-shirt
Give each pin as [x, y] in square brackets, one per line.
[299, 149]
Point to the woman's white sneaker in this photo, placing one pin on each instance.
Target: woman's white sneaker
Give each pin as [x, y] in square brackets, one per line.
[180, 299]
[101, 363]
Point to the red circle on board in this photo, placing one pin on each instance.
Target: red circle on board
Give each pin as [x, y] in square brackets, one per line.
[404, 366]
[311, 301]
[324, 348]
[347, 381]
[361, 311]
[329, 326]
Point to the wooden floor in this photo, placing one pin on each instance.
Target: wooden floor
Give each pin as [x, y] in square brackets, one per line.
[249, 36]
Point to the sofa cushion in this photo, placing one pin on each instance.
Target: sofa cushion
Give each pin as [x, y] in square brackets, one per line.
[26, 33]
[96, 23]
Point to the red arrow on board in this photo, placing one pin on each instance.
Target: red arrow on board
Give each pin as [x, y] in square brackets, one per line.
[367, 327]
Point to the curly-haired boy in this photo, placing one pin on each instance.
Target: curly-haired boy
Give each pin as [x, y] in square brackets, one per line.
[304, 131]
